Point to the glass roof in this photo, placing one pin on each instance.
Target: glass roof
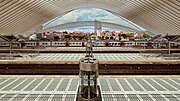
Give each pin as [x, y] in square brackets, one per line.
[90, 14]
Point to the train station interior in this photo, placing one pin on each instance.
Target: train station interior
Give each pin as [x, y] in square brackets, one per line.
[89, 50]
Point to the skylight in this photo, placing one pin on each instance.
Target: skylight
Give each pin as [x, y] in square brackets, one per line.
[91, 14]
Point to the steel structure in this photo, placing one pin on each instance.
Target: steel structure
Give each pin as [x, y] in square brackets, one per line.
[90, 23]
[21, 16]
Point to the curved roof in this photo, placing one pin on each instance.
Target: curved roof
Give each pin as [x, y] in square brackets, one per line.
[91, 23]
[92, 14]
[22, 16]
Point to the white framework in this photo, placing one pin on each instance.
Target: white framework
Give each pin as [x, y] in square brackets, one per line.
[21, 16]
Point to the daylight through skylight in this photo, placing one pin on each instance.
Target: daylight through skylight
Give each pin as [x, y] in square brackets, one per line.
[91, 14]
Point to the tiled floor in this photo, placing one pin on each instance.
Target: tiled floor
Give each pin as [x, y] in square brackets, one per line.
[99, 56]
[94, 48]
[113, 88]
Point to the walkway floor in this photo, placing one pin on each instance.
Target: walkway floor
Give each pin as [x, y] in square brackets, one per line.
[114, 88]
[99, 56]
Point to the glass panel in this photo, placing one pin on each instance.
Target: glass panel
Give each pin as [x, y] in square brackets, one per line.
[91, 14]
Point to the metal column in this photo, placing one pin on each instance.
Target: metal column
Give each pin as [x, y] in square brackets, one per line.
[169, 47]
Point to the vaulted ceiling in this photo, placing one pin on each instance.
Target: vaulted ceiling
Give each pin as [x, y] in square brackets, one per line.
[22, 16]
[91, 23]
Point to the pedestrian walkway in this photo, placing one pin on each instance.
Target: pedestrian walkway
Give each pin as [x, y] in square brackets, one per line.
[113, 88]
[99, 56]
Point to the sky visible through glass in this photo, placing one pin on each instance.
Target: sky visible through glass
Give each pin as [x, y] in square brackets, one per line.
[89, 14]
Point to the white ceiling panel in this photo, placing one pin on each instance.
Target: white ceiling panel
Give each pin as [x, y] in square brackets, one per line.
[21, 16]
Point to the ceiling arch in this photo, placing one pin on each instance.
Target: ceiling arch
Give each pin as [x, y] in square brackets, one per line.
[91, 14]
[91, 23]
[22, 16]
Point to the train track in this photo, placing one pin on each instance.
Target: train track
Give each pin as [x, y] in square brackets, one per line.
[104, 69]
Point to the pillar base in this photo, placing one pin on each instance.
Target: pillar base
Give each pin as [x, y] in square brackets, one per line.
[80, 98]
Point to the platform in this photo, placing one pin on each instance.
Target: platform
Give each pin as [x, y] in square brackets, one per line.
[95, 50]
[73, 58]
[114, 88]
[66, 63]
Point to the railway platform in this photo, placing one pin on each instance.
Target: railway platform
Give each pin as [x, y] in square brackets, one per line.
[113, 87]
[112, 63]
[95, 50]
